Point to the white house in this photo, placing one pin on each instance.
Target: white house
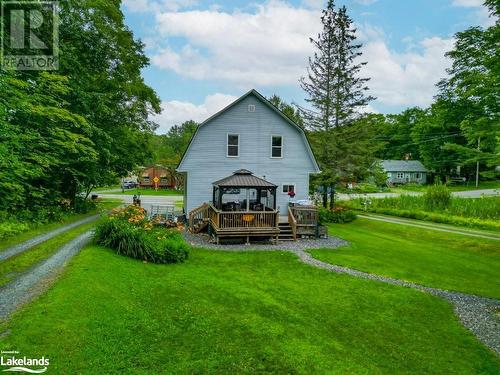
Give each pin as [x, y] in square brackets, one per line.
[249, 135]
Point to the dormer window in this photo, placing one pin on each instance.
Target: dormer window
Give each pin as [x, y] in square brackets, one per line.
[233, 145]
[276, 146]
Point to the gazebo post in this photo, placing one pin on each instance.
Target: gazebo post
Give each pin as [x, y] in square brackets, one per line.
[274, 198]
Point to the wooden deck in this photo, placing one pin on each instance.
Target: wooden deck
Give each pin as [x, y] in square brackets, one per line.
[303, 221]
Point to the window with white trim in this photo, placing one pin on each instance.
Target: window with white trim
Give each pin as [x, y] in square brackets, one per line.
[276, 146]
[233, 145]
[288, 188]
[400, 175]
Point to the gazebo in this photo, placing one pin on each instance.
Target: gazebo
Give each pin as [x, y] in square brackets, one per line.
[243, 205]
[243, 191]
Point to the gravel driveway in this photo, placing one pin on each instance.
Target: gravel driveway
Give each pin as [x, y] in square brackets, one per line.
[35, 280]
[19, 248]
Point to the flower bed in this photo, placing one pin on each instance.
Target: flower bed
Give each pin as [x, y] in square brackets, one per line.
[129, 232]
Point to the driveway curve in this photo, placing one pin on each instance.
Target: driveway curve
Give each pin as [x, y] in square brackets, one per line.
[32, 242]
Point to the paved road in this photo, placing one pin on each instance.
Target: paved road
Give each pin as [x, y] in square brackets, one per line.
[461, 194]
[26, 245]
[146, 200]
[432, 226]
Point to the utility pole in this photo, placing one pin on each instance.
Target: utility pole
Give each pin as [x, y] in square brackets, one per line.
[477, 164]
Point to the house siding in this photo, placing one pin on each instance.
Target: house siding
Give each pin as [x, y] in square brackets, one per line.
[206, 160]
[392, 177]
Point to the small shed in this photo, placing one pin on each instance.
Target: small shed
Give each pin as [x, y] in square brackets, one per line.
[156, 177]
[404, 171]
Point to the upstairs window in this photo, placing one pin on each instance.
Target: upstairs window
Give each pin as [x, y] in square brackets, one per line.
[233, 145]
[276, 146]
[288, 188]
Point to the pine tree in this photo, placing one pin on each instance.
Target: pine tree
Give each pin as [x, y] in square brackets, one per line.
[335, 89]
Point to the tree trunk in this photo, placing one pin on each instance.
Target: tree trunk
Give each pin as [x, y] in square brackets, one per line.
[325, 197]
[332, 197]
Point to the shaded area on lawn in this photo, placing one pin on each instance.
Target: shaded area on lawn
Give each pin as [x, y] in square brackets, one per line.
[238, 313]
[435, 259]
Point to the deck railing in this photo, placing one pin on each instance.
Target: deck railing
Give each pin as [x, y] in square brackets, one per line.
[293, 223]
[304, 220]
[305, 215]
[198, 216]
[243, 219]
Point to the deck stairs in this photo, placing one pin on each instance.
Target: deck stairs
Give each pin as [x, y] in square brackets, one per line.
[286, 233]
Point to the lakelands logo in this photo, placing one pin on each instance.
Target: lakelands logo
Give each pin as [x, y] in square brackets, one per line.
[11, 361]
[29, 35]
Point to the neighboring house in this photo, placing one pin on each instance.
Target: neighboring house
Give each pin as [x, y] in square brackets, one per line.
[156, 176]
[250, 134]
[404, 171]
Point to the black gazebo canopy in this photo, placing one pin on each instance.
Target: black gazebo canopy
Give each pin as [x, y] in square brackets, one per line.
[244, 179]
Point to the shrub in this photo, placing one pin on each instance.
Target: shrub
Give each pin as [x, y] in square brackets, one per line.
[339, 214]
[129, 233]
[438, 197]
[366, 188]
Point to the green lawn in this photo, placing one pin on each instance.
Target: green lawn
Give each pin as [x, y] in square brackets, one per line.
[160, 192]
[230, 313]
[103, 205]
[437, 259]
[12, 267]
[471, 186]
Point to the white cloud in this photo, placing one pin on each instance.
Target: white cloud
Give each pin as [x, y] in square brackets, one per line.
[252, 49]
[406, 79]
[176, 112]
[248, 49]
[481, 15]
[468, 3]
[156, 6]
[365, 2]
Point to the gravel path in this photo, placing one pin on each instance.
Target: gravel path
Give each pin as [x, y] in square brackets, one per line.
[476, 313]
[203, 241]
[35, 280]
[19, 248]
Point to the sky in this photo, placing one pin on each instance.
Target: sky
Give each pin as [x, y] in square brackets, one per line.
[206, 53]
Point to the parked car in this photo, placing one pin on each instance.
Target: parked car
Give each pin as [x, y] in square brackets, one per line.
[129, 185]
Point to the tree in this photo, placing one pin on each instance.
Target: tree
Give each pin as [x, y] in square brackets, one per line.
[335, 91]
[44, 144]
[288, 110]
[61, 133]
[473, 84]
[398, 134]
[104, 63]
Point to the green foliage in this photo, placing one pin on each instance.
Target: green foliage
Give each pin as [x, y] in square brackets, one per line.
[339, 214]
[129, 233]
[288, 110]
[437, 197]
[65, 132]
[472, 212]
[365, 188]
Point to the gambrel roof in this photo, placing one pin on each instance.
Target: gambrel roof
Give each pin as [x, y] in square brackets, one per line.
[266, 102]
